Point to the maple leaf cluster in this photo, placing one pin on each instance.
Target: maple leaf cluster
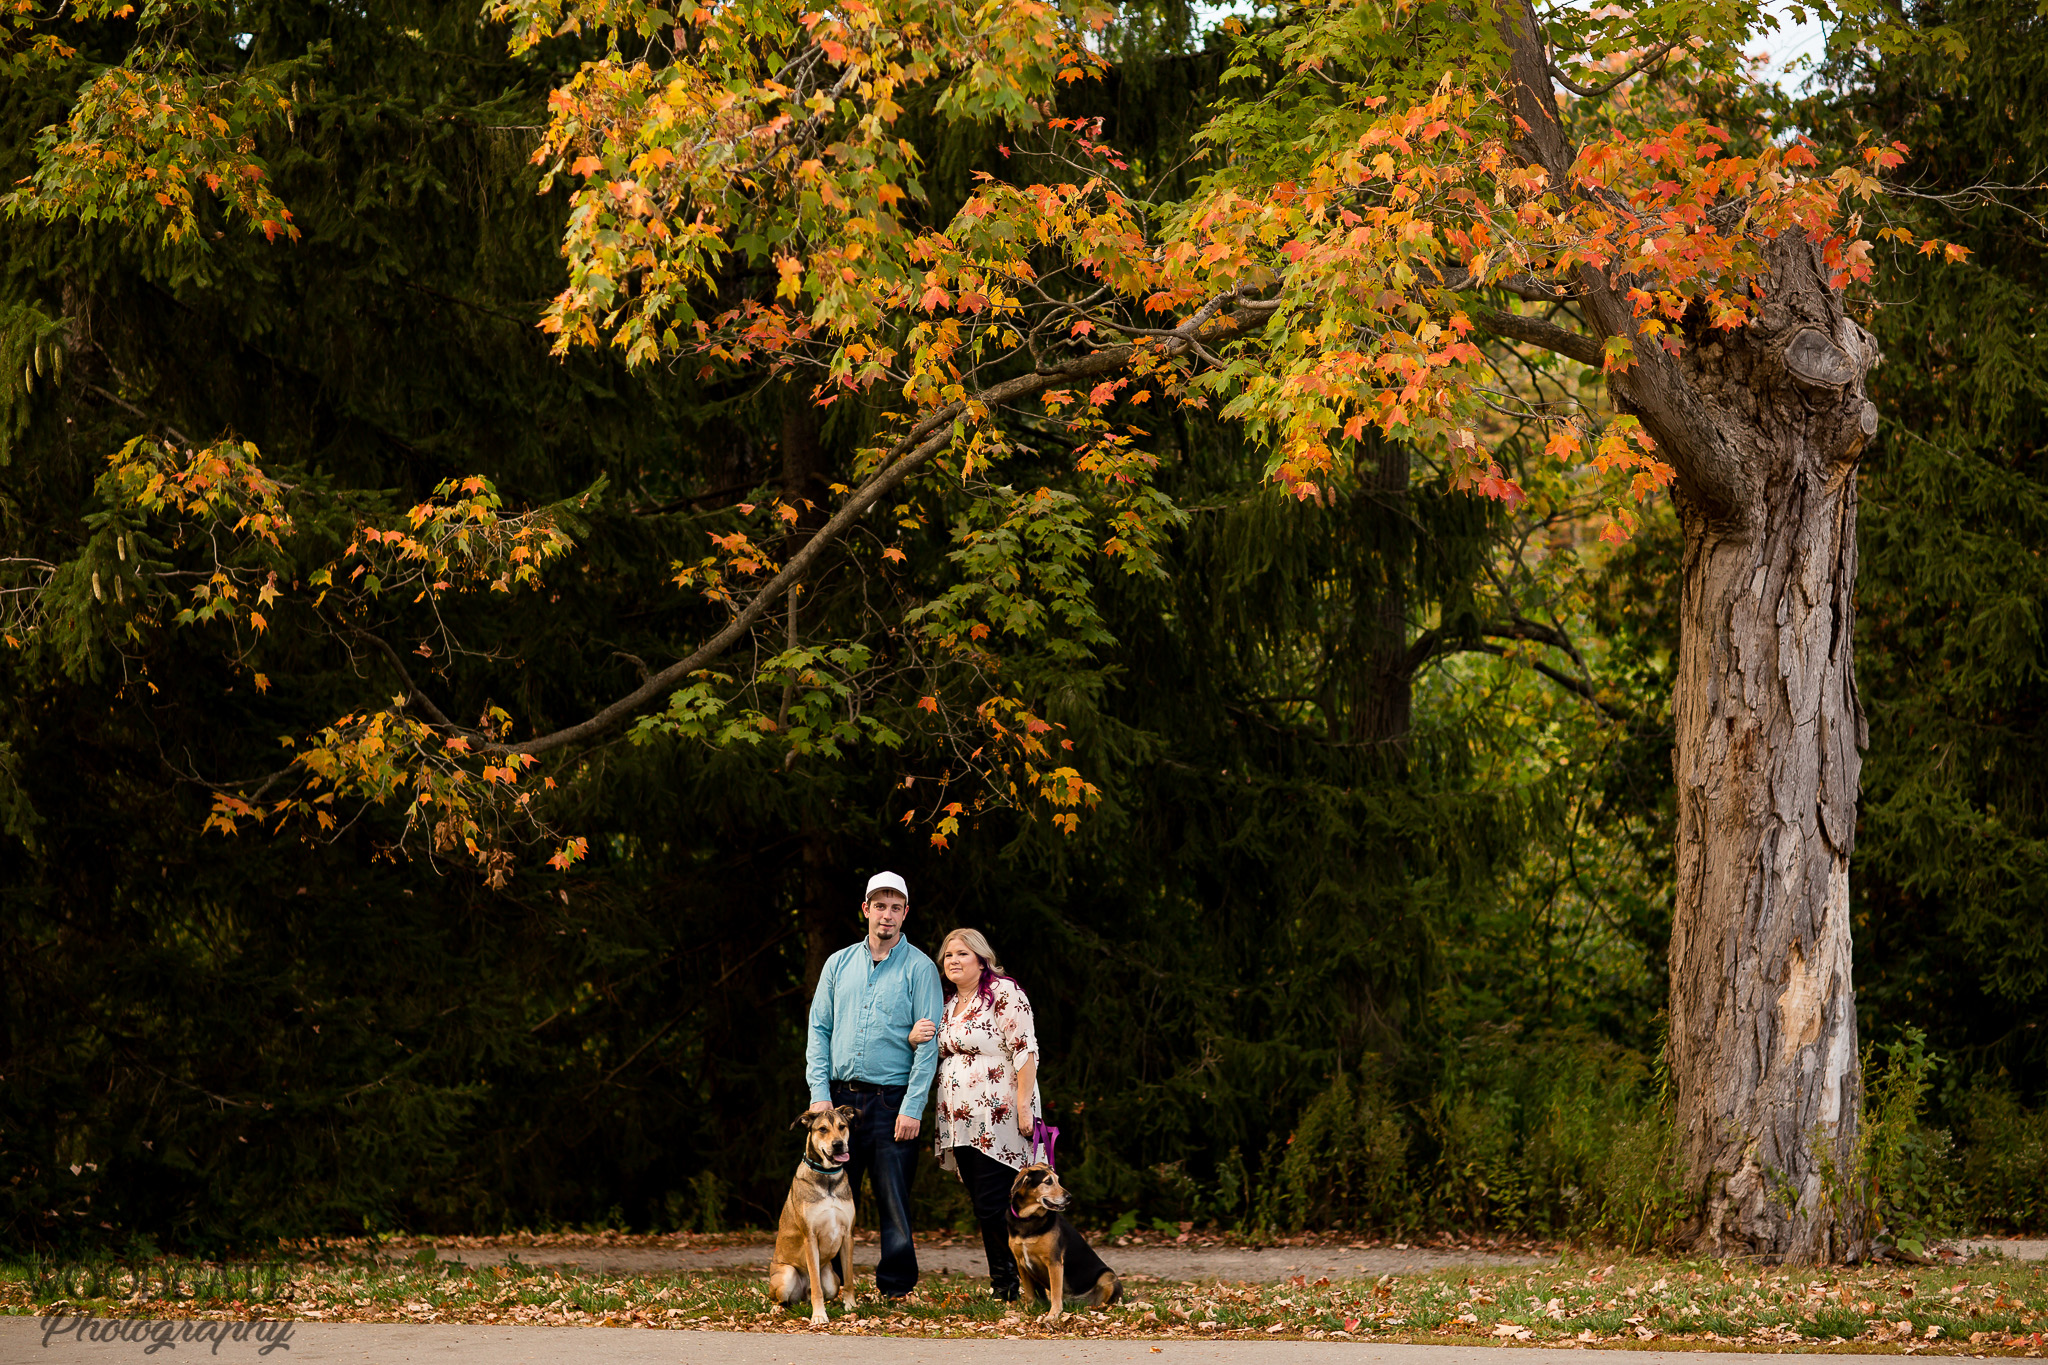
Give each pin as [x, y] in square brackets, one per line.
[1315, 305]
[147, 135]
[742, 199]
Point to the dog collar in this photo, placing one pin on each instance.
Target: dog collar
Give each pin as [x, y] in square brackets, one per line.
[823, 1170]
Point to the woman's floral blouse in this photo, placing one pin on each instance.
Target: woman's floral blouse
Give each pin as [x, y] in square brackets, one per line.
[980, 1051]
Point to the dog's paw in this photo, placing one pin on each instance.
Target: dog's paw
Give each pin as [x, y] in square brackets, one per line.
[1052, 1319]
[818, 1318]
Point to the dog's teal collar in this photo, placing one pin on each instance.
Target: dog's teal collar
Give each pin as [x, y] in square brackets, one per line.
[822, 1170]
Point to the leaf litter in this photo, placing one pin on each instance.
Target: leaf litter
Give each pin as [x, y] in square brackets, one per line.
[1986, 1306]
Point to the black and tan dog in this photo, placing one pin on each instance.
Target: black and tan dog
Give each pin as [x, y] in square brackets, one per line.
[1053, 1259]
[814, 1240]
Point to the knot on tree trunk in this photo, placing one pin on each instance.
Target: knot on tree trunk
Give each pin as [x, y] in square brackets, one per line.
[1831, 370]
[1821, 350]
[1744, 413]
[1814, 360]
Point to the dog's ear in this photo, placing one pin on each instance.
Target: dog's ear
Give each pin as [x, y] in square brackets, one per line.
[847, 1114]
[803, 1120]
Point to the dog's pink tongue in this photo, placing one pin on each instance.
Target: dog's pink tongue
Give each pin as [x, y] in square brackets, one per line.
[842, 1158]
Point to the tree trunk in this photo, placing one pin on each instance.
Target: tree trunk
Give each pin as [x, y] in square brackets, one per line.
[1381, 715]
[1763, 1050]
[803, 489]
[822, 900]
[1763, 425]
[820, 910]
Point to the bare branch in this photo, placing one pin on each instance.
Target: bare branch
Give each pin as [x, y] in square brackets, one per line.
[176, 435]
[1599, 91]
[1523, 286]
[1578, 686]
[412, 689]
[1551, 337]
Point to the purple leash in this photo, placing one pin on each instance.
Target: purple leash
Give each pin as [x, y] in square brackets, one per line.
[1043, 1137]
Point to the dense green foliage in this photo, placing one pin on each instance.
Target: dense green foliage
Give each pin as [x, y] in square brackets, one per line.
[214, 1040]
[1367, 927]
[1952, 594]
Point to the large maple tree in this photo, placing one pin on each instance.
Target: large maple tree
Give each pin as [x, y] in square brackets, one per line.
[1410, 220]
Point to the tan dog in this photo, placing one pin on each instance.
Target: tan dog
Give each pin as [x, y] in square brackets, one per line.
[814, 1240]
[1052, 1258]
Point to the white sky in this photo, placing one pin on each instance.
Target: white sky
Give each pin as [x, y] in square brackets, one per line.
[1784, 49]
[1789, 45]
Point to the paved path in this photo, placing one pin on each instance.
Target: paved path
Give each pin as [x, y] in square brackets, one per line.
[1133, 1263]
[2019, 1248]
[25, 1340]
[1154, 1262]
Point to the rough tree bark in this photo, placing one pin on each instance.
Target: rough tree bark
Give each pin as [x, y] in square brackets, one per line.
[1763, 1014]
[1764, 426]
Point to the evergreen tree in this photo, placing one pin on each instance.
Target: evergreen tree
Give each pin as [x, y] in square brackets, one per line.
[339, 1029]
[1954, 594]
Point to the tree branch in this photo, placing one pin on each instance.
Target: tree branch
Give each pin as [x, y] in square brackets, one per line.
[1653, 388]
[1579, 686]
[1430, 644]
[412, 689]
[176, 435]
[915, 449]
[689, 500]
[1557, 74]
[1522, 286]
[1537, 332]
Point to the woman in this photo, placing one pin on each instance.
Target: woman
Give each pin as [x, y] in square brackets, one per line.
[988, 1088]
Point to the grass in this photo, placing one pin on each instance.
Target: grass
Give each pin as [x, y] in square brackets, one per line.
[1982, 1307]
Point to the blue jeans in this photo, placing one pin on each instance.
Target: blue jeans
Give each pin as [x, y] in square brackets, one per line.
[877, 1152]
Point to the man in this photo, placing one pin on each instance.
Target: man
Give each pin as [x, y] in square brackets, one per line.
[869, 998]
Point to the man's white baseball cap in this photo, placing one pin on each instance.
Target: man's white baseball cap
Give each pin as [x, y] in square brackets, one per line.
[887, 881]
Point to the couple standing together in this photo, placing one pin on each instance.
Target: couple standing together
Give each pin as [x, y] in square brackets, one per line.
[879, 1008]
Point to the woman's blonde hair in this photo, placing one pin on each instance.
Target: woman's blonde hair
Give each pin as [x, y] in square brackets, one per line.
[978, 944]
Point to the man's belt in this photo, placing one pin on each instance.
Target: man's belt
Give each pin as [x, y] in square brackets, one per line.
[865, 1087]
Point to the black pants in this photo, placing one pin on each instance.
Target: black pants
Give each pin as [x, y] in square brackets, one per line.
[988, 1187]
[877, 1153]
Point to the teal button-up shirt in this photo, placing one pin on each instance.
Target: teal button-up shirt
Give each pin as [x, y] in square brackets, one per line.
[861, 1019]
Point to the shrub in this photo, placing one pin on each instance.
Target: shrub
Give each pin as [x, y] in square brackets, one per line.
[2004, 1162]
[700, 1207]
[1905, 1170]
[1347, 1162]
[1560, 1134]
